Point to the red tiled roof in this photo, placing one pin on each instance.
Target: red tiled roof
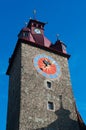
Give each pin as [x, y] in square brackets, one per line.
[39, 39]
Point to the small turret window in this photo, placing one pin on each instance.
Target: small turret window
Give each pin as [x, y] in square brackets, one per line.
[25, 34]
[34, 25]
[39, 26]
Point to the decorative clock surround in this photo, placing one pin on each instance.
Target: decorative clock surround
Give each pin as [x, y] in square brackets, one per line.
[47, 66]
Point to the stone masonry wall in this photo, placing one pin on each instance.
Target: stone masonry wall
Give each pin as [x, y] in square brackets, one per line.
[14, 93]
[35, 95]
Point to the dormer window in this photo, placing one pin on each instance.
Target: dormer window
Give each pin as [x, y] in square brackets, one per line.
[25, 34]
[34, 25]
[39, 26]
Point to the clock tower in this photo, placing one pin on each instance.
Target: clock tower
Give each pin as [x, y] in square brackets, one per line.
[40, 92]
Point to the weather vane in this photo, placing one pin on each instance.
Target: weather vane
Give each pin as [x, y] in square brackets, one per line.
[57, 35]
[34, 13]
[26, 24]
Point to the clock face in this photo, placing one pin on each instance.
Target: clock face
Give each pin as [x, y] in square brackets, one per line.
[36, 30]
[47, 66]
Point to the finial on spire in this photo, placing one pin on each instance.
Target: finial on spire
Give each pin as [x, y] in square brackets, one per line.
[26, 24]
[30, 18]
[57, 35]
[34, 13]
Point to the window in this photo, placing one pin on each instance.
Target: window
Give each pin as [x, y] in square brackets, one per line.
[48, 84]
[50, 106]
[39, 26]
[34, 25]
[25, 34]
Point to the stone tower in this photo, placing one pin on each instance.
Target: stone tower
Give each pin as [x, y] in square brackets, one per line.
[40, 93]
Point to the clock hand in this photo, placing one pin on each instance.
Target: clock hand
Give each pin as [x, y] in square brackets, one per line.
[46, 62]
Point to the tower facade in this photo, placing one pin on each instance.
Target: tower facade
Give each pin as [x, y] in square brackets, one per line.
[40, 92]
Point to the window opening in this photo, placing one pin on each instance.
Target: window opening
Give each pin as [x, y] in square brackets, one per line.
[50, 106]
[25, 34]
[48, 84]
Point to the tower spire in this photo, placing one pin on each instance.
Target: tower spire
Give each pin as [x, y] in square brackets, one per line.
[57, 35]
[34, 14]
[26, 24]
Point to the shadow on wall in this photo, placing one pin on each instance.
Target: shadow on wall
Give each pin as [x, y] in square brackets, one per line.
[64, 122]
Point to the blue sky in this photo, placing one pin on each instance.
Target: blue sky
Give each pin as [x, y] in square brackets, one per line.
[64, 17]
